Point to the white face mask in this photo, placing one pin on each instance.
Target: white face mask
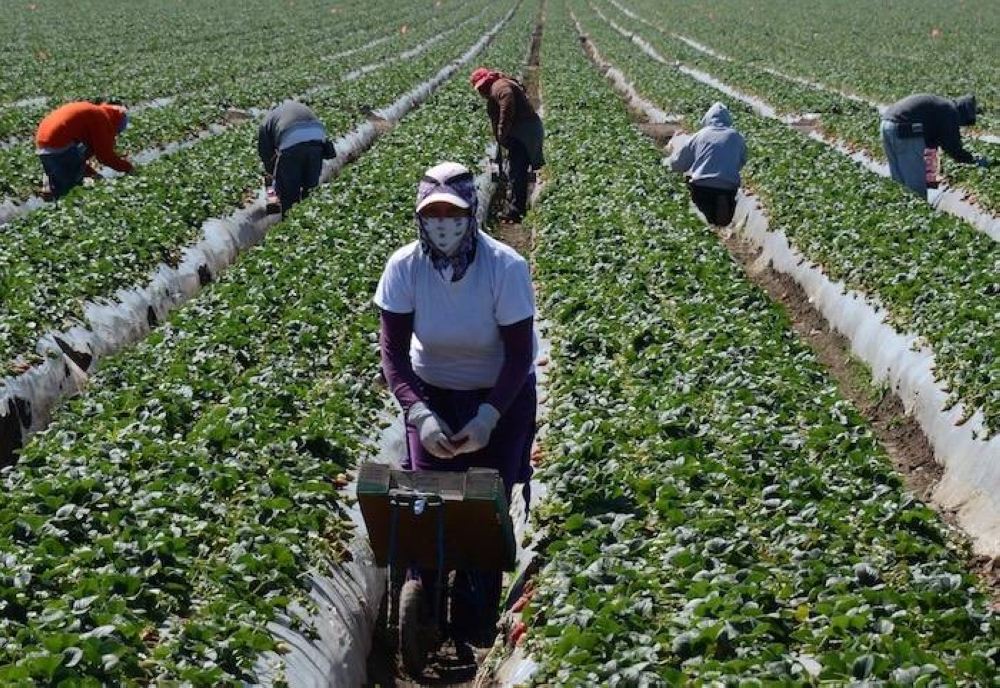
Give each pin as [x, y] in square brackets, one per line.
[445, 233]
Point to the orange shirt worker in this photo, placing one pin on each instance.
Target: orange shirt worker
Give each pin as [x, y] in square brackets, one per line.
[73, 133]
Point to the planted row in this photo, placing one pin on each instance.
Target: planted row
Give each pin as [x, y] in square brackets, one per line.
[170, 49]
[883, 52]
[934, 274]
[716, 513]
[169, 512]
[113, 235]
[256, 81]
[840, 117]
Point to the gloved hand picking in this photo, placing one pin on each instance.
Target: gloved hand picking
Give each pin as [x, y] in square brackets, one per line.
[476, 433]
[434, 432]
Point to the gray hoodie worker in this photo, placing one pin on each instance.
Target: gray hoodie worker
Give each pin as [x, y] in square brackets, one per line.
[292, 144]
[925, 121]
[712, 159]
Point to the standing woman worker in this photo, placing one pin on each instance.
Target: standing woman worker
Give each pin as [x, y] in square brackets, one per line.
[516, 127]
[457, 340]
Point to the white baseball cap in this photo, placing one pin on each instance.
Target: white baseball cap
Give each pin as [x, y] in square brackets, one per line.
[438, 178]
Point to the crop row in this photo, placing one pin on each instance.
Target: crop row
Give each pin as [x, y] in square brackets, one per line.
[884, 52]
[716, 512]
[934, 274]
[260, 82]
[840, 117]
[170, 50]
[170, 512]
[114, 234]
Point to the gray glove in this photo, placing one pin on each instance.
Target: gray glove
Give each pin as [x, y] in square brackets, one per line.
[433, 431]
[476, 433]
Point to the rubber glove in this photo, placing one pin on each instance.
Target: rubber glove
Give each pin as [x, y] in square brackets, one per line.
[433, 431]
[476, 433]
[982, 161]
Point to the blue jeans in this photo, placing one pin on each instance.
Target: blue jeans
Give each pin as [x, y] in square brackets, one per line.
[297, 172]
[66, 168]
[906, 158]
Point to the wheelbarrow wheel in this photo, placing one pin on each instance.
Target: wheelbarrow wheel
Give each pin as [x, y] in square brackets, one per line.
[412, 640]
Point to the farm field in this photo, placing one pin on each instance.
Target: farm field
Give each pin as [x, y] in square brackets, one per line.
[716, 509]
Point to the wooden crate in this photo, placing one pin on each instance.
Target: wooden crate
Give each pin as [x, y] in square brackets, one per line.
[478, 533]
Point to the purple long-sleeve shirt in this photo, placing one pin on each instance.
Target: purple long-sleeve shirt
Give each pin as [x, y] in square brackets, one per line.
[394, 341]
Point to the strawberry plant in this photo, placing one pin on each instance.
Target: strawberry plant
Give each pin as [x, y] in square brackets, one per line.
[113, 235]
[933, 273]
[185, 499]
[885, 54]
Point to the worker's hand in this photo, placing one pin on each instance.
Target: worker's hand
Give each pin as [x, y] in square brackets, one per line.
[983, 161]
[476, 433]
[433, 431]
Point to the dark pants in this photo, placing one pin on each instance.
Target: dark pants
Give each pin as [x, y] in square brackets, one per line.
[65, 169]
[509, 448]
[296, 172]
[476, 594]
[519, 166]
[717, 205]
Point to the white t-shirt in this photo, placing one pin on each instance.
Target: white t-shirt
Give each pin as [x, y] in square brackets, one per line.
[456, 338]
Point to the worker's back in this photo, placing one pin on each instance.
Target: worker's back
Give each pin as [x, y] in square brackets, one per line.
[715, 154]
[80, 121]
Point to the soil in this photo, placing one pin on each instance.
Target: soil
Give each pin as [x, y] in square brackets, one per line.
[449, 667]
[81, 359]
[660, 133]
[11, 439]
[531, 80]
[515, 235]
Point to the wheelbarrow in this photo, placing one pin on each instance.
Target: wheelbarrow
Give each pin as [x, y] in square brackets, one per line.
[438, 522]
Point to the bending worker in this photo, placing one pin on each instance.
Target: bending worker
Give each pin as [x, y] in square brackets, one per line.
[516, 127]
[458, 346]
[69, 135]
[925, 121]
[712, 160]
[292, 145]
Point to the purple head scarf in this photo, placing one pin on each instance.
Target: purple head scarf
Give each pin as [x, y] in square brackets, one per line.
[452, 183]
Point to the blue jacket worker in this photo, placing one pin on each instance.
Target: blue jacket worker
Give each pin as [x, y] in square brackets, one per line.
[712, 160]
[925, 121]
[292, 144]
